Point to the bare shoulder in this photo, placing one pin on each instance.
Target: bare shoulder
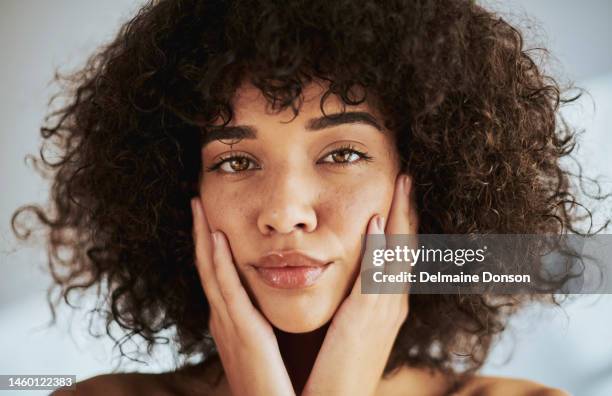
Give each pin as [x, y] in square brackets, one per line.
[205, 378]
[120, 384]
[502, 386]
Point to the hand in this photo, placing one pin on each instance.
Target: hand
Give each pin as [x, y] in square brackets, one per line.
[360, 338]
[244, 338]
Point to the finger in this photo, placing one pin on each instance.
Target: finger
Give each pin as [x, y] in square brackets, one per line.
[402, 229]
[403, 218]
[204, 262]
[375, 235]
[236, 299]
[374, 241]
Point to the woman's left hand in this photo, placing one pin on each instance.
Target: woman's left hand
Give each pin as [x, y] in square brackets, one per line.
[363, 330]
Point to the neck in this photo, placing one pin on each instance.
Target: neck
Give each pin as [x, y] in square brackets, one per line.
[299, 352]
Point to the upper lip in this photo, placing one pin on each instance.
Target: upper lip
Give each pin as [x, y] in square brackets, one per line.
[288, 258]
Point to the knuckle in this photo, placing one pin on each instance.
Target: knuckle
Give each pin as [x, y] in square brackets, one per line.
[226, 292]
[232, 299]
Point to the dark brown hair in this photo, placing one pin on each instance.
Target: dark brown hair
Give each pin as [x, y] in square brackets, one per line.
[476, 119]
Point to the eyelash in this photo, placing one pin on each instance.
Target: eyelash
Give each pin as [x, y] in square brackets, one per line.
[347, 148]
[352, 150]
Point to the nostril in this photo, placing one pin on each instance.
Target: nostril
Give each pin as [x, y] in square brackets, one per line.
[299, 226]
[288, 220]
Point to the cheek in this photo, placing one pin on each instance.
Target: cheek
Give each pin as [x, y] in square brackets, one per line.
[347, 207]
[224, 207]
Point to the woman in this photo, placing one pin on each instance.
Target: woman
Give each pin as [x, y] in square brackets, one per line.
[247, 136]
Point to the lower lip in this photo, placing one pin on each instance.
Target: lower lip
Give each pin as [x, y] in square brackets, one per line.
[291, 277]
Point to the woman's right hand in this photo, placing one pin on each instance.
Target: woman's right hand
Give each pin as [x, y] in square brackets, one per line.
[244, 338]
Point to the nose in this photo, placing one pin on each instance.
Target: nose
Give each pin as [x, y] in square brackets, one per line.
[288, 206]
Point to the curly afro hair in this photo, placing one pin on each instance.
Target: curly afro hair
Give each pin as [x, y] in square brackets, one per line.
[477, 124]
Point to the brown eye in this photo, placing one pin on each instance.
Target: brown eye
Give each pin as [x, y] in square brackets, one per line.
[236, 164]
[239, 164]
[342, 156]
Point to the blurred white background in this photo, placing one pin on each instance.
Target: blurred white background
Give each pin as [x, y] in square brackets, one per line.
[570, 348]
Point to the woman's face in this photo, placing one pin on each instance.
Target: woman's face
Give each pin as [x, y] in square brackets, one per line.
[294, 187]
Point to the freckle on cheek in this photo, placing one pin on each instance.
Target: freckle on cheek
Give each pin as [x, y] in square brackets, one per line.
[350, 201]
[230, 207]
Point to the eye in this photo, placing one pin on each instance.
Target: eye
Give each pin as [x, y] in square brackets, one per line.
[233, 164]
[345, 155]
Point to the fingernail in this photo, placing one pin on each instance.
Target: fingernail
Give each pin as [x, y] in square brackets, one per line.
[380, 224]
[216, 238]
[407, 184]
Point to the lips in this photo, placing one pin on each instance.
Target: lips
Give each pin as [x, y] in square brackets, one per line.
[290, 269]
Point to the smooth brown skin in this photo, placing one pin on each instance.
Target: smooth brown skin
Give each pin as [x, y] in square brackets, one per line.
[298, 199]
[247, 344]
[283, 342]
[196, 380]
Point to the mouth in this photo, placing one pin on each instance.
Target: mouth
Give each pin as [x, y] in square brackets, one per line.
[290, 269]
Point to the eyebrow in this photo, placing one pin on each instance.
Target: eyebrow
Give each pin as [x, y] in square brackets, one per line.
[316, 124]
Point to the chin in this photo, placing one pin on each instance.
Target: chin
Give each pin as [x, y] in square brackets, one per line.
[299, 315]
